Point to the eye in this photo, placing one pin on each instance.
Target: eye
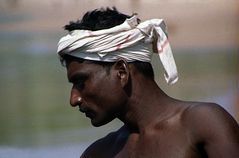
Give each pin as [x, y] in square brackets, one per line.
[78, 81]
[79, 85]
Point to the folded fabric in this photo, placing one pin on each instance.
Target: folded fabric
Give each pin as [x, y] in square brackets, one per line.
[129, 40]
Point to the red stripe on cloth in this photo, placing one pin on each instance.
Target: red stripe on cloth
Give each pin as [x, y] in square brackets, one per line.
[162, 47]
[125, 40]
[90, 33]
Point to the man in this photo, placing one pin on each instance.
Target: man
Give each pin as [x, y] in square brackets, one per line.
[107, 55]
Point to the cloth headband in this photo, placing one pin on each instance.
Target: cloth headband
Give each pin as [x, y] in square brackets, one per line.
[129, 40]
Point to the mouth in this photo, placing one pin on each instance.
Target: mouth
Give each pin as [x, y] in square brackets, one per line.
[88, 113]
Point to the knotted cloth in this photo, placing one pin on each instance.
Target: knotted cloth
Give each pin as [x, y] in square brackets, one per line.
[129, 40]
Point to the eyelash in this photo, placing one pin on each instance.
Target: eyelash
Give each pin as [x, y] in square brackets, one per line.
[79, 82]
[79, 85]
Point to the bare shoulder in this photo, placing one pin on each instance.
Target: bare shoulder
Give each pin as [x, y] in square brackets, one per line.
[213, 126]
[208, 117]
[104, 147]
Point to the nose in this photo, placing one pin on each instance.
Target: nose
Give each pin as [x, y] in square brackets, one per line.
[75, 98]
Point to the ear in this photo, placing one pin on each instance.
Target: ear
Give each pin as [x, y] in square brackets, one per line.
[122, 69]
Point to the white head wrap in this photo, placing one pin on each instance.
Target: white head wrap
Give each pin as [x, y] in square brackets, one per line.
[129, 40]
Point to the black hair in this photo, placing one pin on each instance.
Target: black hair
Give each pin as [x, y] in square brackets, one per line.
[105, 18]
[98, 19]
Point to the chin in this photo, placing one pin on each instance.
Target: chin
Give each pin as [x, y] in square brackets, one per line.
[98, 123]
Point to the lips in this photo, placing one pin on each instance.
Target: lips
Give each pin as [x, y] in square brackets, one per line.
[83, 110]
[88, 113]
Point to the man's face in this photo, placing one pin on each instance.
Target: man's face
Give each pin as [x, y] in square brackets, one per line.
[100, 91]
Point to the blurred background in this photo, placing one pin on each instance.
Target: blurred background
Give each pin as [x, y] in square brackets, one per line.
[36, 119]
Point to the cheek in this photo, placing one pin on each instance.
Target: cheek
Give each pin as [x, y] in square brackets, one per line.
[105, 98]
[111, 93]
[104, 92]
[98, 90]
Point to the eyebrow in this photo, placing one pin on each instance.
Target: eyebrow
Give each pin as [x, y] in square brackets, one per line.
[77, 76]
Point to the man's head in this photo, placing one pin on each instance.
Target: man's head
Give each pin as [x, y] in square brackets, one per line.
[100, 85]
[105, 18]
[102, 53]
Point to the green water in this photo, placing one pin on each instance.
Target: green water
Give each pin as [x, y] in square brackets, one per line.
[34, 92]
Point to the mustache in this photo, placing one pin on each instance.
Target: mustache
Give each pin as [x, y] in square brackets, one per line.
[85, 109]
[88, 112]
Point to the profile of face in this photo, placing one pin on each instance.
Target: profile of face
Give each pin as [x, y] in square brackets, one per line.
[97, 92]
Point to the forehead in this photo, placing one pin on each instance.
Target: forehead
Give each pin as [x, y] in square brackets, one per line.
[75, 67]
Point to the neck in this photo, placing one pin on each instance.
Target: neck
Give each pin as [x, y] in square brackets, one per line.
[147, 104]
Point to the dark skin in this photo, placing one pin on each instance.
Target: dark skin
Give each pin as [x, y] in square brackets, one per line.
[155, 125]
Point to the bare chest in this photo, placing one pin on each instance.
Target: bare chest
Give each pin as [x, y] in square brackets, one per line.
[163, 145]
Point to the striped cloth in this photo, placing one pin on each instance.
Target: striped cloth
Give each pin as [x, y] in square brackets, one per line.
[129, 40]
